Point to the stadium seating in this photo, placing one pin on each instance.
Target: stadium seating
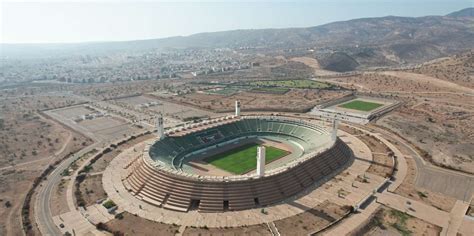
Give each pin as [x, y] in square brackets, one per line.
[170, 151]
[169, 189]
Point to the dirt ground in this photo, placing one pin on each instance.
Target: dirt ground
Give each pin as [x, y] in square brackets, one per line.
[14, 184]
[313, 63]
[254, 230]
[58, 198]
[311, 220]
[173, 110]
[392, 222]
[382, 162]
[456, 69]
[296, 100]
[444, 129]
[101, 164]
[92, 190]
[141, 226]
[28, 140]
[29, 137]
[408, 189]
[399, 82]
[436, 115]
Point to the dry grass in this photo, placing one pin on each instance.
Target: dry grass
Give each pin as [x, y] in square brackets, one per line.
[300, 100]
[456, 69]
[140, 226]
[254, 230]
[311, 220]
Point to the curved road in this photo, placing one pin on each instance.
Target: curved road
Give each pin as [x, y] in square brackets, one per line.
[43, 215]
[453, 183]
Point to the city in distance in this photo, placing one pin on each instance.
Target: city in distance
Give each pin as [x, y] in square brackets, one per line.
[289, 118]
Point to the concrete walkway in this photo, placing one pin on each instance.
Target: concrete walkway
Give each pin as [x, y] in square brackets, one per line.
[414, 208]
[76, 220]
[356, 191]
[363, 215]
[456, 217]
[354, 221]
[449, 222]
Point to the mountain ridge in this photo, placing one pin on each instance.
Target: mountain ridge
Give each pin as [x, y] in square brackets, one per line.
[405, 37]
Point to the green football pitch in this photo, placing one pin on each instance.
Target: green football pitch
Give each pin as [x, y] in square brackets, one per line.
[361, 105]
[244, 159]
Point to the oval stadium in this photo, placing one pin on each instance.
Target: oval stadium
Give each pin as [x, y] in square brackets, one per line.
[235, 163]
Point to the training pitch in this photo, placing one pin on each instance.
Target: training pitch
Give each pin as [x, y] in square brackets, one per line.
[301, 83]
[361, 105]
[244, 159]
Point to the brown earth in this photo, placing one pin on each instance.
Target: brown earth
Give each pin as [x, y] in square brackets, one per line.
[408, 189]
[29, 141]
[296, 100]
[391, 222]
[437, 114]
[254, 230]
[456, 69]
[442, 127]
[382, 161]
[92, 190]
[58, 198]
[140, 226]
[311, 220]
[101, 164]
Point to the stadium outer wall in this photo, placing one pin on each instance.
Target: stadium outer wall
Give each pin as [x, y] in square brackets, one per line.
[179, 191]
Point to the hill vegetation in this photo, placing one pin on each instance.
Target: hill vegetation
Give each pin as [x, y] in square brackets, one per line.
[390, 39]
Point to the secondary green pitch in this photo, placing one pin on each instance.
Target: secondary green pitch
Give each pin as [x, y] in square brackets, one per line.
[244, 159]
[361, 105]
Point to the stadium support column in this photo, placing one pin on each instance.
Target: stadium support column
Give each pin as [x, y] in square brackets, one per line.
[261, 161]
[237, 108]
[335, 123]
[160, 129]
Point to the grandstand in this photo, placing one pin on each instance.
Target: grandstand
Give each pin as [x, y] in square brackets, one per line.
[163, 175]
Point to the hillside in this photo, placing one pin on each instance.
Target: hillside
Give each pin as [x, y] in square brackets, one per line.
[394, 39]
[467, 12]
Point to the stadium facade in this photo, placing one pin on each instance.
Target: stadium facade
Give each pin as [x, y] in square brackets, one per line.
[164, 177]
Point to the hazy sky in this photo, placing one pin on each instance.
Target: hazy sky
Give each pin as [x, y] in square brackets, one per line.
[74, 21]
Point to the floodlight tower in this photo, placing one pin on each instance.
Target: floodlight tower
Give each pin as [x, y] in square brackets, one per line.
[335, 124]
[160, 129]
[261, 161]
[237, 108]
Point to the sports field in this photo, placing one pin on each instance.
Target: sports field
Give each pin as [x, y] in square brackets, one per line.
[243, 159]
[361, 105]
[301, 83]
[274, 90]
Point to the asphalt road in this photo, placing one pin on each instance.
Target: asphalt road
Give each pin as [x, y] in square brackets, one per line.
[452, 183]
[43, 215]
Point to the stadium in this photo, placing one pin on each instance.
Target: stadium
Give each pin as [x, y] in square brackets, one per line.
[235, 163]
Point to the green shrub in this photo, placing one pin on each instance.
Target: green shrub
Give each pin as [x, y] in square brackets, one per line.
[109, 204]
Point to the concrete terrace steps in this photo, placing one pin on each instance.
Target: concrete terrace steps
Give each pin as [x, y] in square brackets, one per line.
[164, 189]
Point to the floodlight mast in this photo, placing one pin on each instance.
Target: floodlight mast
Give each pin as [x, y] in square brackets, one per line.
[160, 129]
[261, 161]
[335, 124]
[237, 108]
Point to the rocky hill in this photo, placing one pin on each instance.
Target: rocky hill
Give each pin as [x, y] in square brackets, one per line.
[467, 12]
[369, 41]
